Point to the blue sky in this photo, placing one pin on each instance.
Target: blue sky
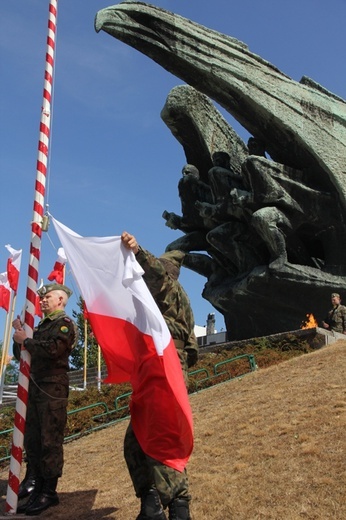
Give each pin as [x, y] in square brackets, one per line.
[114, 165]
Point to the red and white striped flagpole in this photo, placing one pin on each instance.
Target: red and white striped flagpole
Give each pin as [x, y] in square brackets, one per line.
[35, 250]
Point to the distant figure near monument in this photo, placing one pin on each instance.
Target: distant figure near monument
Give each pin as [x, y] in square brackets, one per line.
[336, 317]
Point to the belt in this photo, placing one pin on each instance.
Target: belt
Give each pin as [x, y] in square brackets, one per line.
[49, 373]
[179, 344]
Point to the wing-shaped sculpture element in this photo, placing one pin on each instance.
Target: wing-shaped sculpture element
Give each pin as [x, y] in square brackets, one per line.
[303, 124]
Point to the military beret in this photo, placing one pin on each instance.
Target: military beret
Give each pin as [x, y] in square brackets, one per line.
[335, 295]
[53, 287]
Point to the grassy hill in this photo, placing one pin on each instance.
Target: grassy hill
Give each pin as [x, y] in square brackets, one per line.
[270, 445]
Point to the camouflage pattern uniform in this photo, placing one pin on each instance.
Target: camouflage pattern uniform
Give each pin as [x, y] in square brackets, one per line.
[172, 301]
[336, 319]
[52, 342]
[174, 305]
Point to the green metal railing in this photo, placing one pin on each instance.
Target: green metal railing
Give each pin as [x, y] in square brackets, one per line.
[199, 379]
[202, 382]
[118, 408]
[249, 357]
[83, 409]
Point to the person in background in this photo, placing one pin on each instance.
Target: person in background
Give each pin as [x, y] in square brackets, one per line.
[155, 484]
[50, 347]
[336, 317]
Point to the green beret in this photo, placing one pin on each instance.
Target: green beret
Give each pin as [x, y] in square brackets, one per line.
[53, 287]
[335, 295]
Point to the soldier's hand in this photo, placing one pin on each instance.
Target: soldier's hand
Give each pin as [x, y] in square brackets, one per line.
[19, 336]
[130, 242]
[17, 324]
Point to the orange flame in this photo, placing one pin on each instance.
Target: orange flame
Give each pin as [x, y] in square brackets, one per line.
[309, 322]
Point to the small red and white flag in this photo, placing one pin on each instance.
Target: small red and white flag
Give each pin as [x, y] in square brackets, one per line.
[135, 342]
[5, 292]
[58, 273]
[13, 267]
[38, 310]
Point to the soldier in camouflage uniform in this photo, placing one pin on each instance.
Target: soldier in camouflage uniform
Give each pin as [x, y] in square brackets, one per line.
[155, 484]
[336, 317]
[52, 342]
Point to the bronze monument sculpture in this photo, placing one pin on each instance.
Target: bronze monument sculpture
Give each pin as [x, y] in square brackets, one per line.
[264, 222]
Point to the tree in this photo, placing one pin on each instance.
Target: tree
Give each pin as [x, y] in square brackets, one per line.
[77, 355]
[12, 368]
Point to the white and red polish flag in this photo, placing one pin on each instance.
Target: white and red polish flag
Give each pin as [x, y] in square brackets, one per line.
[13, 267]
[135, 342]
[5, 292]
[58, 273]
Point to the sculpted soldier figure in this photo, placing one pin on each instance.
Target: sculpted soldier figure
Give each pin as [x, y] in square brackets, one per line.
[222, 178]
[52, 342]
[256, 147]
[191, 189]
[156, 484]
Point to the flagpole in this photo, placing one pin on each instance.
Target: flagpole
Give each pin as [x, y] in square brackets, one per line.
[3, 355]
[35, 250]
[98, 367]
[85, 352]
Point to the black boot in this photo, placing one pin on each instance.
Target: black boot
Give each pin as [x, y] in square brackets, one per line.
[151, 508]
[179, 509]
[35, 493]
[26, 487]
[48, 497]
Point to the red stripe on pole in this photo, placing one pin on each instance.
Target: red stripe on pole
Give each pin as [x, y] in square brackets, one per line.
[44, 129]
[51, 43]
[43, 148]
[47, 95]
[32, 299]
[35, 253]
[40, 188]
[49, 60]
[38, 208]
[48, 77]
[19, 423]
[13, 482]
[41, 167]
[23, 394]
[36, 232]
[30, 322]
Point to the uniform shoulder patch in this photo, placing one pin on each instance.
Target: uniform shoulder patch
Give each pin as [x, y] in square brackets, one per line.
[67, 319]
[64, 329]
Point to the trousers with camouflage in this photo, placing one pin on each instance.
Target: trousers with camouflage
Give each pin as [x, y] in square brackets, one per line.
[146, 473]
[45, 425]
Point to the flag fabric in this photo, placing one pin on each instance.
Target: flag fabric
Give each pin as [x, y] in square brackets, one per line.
[13, 267]
[58, 273]
[135, 342]
[5, 292]
[38, 311]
